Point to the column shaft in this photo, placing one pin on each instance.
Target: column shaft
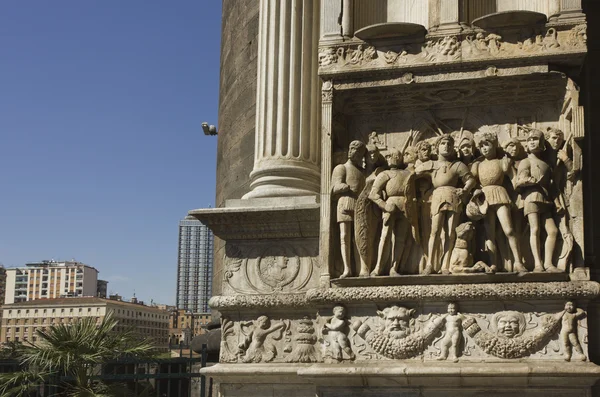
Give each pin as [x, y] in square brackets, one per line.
[287, 150]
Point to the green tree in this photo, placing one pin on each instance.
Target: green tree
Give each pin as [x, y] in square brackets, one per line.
[69, 357]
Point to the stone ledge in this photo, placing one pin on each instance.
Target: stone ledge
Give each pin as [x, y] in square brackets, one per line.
[514, 374]
[458, 292]
[416, 279]
[262, 218]
[583, 290]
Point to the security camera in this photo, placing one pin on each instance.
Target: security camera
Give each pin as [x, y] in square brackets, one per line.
[209, 129]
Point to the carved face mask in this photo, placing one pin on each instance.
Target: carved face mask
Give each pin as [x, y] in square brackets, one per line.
[508, 326]
[397, 324]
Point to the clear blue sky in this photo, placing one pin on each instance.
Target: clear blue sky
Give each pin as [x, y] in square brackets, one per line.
[102, 150]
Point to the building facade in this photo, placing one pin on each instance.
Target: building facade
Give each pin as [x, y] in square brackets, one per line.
[50, 279]
[185, 325]
[2, 284]
[20, 321]
[325, 256]
[194, 266]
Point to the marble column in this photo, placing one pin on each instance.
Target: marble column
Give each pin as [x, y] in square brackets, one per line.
[348, 19]
[448, 17]
[331, 12]
[287, 145]
[570, 11]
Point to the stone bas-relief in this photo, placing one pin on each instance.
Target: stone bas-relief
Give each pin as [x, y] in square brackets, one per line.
[428, 207]
[471, 46]
[398, 332]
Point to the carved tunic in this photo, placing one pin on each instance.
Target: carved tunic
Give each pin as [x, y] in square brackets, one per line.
[445, 178]
[534, 177]
[491, 177]
[350, 175]
[395, 184]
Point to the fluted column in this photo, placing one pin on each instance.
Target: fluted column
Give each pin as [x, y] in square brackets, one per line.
[287, 152]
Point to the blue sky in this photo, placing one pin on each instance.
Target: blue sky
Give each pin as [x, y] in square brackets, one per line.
[101, 145]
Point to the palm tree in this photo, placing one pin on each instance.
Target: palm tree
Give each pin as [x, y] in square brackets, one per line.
[69, 357]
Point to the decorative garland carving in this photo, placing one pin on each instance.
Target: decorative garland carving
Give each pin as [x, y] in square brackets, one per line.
[397, 340]
[516, 346]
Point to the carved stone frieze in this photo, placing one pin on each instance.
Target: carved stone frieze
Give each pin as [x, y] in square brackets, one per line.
[469, 47]
[508, 341]
[304, 350]
[421, 331]
[398, 339]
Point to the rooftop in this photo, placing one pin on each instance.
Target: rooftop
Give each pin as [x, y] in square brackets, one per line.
[86, 300]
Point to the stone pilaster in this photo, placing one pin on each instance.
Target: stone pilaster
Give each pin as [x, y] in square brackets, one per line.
[331, 11]
[287, 151]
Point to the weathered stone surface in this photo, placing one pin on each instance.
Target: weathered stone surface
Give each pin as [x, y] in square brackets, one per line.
[475, 139]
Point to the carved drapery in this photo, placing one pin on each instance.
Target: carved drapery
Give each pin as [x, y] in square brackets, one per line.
[287, 152]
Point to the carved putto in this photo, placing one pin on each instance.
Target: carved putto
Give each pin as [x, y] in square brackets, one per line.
[256, 346]
[337, 344]
[568, 331]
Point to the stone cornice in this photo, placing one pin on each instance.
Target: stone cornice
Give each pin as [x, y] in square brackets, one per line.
[584, 290]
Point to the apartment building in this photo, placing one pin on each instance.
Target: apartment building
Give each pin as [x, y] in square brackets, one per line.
[184, 325]
[21, 320]
[194, 266]
[51, 279]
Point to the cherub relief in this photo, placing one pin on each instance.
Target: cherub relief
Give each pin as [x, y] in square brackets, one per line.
[451, 341]
[337, 330]
[255, 347]
[568, 332]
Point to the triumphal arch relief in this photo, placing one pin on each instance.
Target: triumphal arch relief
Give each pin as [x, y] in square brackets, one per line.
[414, 223]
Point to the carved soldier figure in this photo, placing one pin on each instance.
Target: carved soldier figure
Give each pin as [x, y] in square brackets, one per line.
[393, 192]
[410, 156]
[452, 338]
[534, 178]
[337, 329]
[563, 171]
[490, 172]
[446, 201]
[347, 181]
[568, 332]
[367, 216]
[466, 147]
[424, 191]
